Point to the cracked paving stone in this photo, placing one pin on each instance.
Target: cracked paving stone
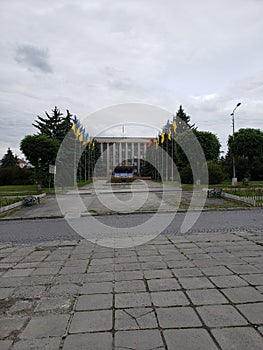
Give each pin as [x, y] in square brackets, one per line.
[141, 318]
[140, 339]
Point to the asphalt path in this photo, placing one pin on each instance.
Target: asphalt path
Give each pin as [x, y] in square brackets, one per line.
[41, 230]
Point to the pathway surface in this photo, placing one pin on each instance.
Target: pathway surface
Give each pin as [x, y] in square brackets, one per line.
[40, 230]
[199, 291]
[186, 292]
[104, 198]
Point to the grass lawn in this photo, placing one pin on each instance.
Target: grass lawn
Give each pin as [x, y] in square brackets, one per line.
[18, 190]
[246, 192]
[23, 190]
[224, 184]
[83, 183]
[6, 201]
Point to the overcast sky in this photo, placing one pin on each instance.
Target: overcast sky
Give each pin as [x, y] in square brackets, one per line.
[86, 55]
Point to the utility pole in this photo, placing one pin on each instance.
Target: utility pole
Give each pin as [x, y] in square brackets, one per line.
[234, 178]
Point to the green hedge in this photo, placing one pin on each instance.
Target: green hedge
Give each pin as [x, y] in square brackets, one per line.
[16, 176]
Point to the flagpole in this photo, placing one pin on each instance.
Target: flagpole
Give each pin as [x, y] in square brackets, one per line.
[172, 158]
[123, 130]
[85, 162]
[167, 157]
[75, 161]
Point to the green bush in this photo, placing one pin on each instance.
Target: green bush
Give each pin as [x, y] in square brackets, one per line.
[215, 172]
[16, 176]
[186, 175]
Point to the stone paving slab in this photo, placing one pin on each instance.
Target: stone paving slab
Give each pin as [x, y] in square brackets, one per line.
[197, 291]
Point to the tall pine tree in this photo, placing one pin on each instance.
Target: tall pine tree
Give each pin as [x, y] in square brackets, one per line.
[182, 121]
[9, 159]
[54, 126]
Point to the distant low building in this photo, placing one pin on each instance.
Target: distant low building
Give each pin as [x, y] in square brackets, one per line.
[21, 163]
[117, 151]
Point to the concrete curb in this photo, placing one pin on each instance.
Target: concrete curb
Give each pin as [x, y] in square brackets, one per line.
[132, 213]
[19, 204]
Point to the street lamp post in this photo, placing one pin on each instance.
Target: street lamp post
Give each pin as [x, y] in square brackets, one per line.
[234, 178]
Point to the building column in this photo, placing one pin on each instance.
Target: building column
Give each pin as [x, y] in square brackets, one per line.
[108, 159]
[126, 153]
[120, 155]
[139, 158]
[113, 156]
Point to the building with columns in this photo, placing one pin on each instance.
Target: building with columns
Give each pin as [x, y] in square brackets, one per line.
[120, 151]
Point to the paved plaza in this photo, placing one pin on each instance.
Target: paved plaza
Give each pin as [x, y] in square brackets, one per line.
[198, 291]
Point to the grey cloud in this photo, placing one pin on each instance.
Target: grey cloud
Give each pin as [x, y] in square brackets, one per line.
[33, 58]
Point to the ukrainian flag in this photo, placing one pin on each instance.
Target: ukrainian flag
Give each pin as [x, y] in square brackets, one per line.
[162, 137]
[174, 126]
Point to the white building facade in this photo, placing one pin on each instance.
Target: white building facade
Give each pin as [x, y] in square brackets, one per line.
[120, 151]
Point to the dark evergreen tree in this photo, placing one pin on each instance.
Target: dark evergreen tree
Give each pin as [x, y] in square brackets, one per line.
[9, 160]
[182, 121]
[54, 126]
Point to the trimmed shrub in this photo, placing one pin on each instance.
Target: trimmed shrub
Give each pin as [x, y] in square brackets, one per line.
[216, 175]
[16, 176]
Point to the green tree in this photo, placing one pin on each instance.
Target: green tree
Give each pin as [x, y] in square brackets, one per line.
[209, 143]
[216, 175]
[55, 125]
[247, 147]
[247, 143]
[207, 140]
[41, 151]
[9, 160]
